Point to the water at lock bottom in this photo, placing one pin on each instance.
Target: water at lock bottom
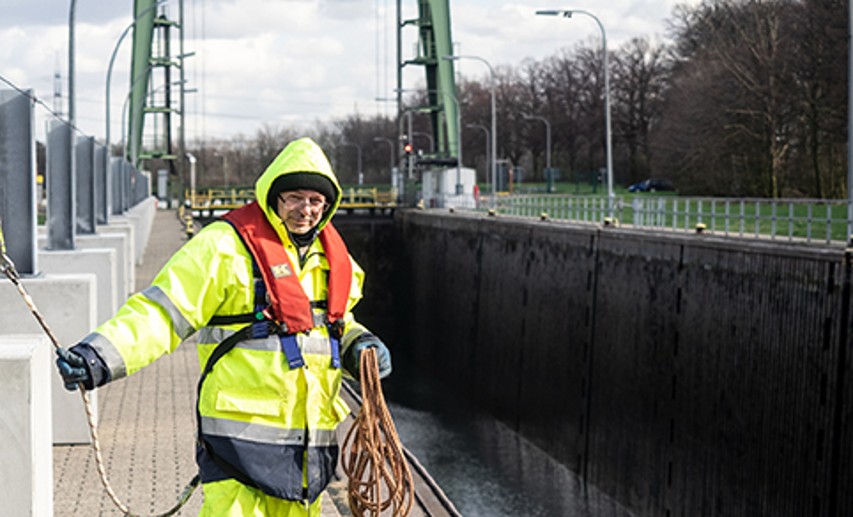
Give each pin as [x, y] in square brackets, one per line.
[484, 467]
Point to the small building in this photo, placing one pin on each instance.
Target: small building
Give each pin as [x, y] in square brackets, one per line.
[439, 188]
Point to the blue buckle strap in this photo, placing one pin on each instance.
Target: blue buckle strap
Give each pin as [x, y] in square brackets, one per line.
[335, 351]
[336, 332]
[291, 351]
[260, 327]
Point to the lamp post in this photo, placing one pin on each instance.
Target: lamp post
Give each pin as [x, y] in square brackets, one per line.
[547, 138]
[486, 131]
[494, 122]
[224, 162]
[609, 140]
[850, 132]
[71, 94]
[428, 137]
[390, 152]
[358, 148]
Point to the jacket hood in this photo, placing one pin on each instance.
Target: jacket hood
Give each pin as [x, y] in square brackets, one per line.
[302, 156]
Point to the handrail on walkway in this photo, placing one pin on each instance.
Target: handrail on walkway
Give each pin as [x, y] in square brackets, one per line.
[819, 221]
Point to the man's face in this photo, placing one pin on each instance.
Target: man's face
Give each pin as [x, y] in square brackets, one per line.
[301, 210]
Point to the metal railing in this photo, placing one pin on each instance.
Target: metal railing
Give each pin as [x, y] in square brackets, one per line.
[214, 201]
[822, 221]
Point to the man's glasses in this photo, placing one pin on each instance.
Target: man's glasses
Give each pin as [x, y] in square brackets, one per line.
[295, 200]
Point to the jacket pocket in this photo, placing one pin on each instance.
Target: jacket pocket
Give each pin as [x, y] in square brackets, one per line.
[231, 402]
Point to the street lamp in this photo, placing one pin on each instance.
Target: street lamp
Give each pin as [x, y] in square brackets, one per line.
[224, 157]
[428, 137]
[494, 122]
[71, 68]
[609, 139]
[547, 138]
[486, 131]
[358, 148]
[390, 151]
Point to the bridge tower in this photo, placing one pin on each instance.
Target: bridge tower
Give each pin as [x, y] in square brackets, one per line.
[152, 107]
[434, 42]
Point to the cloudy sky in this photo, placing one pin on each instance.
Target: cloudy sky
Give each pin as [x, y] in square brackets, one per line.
[284, 62]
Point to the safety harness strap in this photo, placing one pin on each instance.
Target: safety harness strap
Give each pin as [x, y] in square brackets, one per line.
[251, 317]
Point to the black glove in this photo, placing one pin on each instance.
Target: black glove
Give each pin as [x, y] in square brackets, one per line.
[72, 368]
[82, 364]
[352, 356]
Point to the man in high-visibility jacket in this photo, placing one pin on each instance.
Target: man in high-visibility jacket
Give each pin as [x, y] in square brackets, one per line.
[269, 291]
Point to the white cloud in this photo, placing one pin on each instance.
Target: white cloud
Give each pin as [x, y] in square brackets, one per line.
[290, 61]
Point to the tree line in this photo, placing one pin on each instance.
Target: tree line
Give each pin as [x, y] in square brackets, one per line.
[746, 98]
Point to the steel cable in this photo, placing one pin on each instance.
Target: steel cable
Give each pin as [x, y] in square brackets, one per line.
[373, 459]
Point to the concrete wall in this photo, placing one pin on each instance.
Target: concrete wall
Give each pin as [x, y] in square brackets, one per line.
[680, 374]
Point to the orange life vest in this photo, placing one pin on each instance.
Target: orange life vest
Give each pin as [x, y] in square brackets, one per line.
[288, 302]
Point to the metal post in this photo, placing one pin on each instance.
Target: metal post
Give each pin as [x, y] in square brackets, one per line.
[108, 84]
[390, 149]
[608, 133]
[850, 128]
[486, 131]
[358, 157]
[84, 152]
[102, 184]
[192, 160]
[402, 180]
[115, 172]
[61, 212]
[126, 178]
[72, 114]
[411, 160]
[494, 145]
[182, 132]
[71, 100]
[18, 190]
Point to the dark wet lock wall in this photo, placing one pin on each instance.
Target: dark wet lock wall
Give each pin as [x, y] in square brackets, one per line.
[682, 375]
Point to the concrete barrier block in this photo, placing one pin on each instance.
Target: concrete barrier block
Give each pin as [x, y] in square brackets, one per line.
[122, 223]
[123, 227]
[140, 218]
[146, 209]
[26, 479]
[119, 238]
[120, 242]
[100, 262]
[68, 304]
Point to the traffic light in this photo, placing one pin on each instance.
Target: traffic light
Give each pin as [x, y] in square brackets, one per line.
[407, 148]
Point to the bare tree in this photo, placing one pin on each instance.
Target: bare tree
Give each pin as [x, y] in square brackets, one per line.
[639, 75]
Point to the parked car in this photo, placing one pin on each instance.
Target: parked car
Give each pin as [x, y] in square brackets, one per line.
[651, 185]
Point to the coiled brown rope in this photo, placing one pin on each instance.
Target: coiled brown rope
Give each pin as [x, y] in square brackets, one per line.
[373, 459]
[7, 267]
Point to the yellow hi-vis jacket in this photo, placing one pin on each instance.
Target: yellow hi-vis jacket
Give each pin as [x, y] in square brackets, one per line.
[276, 422]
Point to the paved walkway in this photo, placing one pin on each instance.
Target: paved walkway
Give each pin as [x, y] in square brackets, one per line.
[147, 426]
